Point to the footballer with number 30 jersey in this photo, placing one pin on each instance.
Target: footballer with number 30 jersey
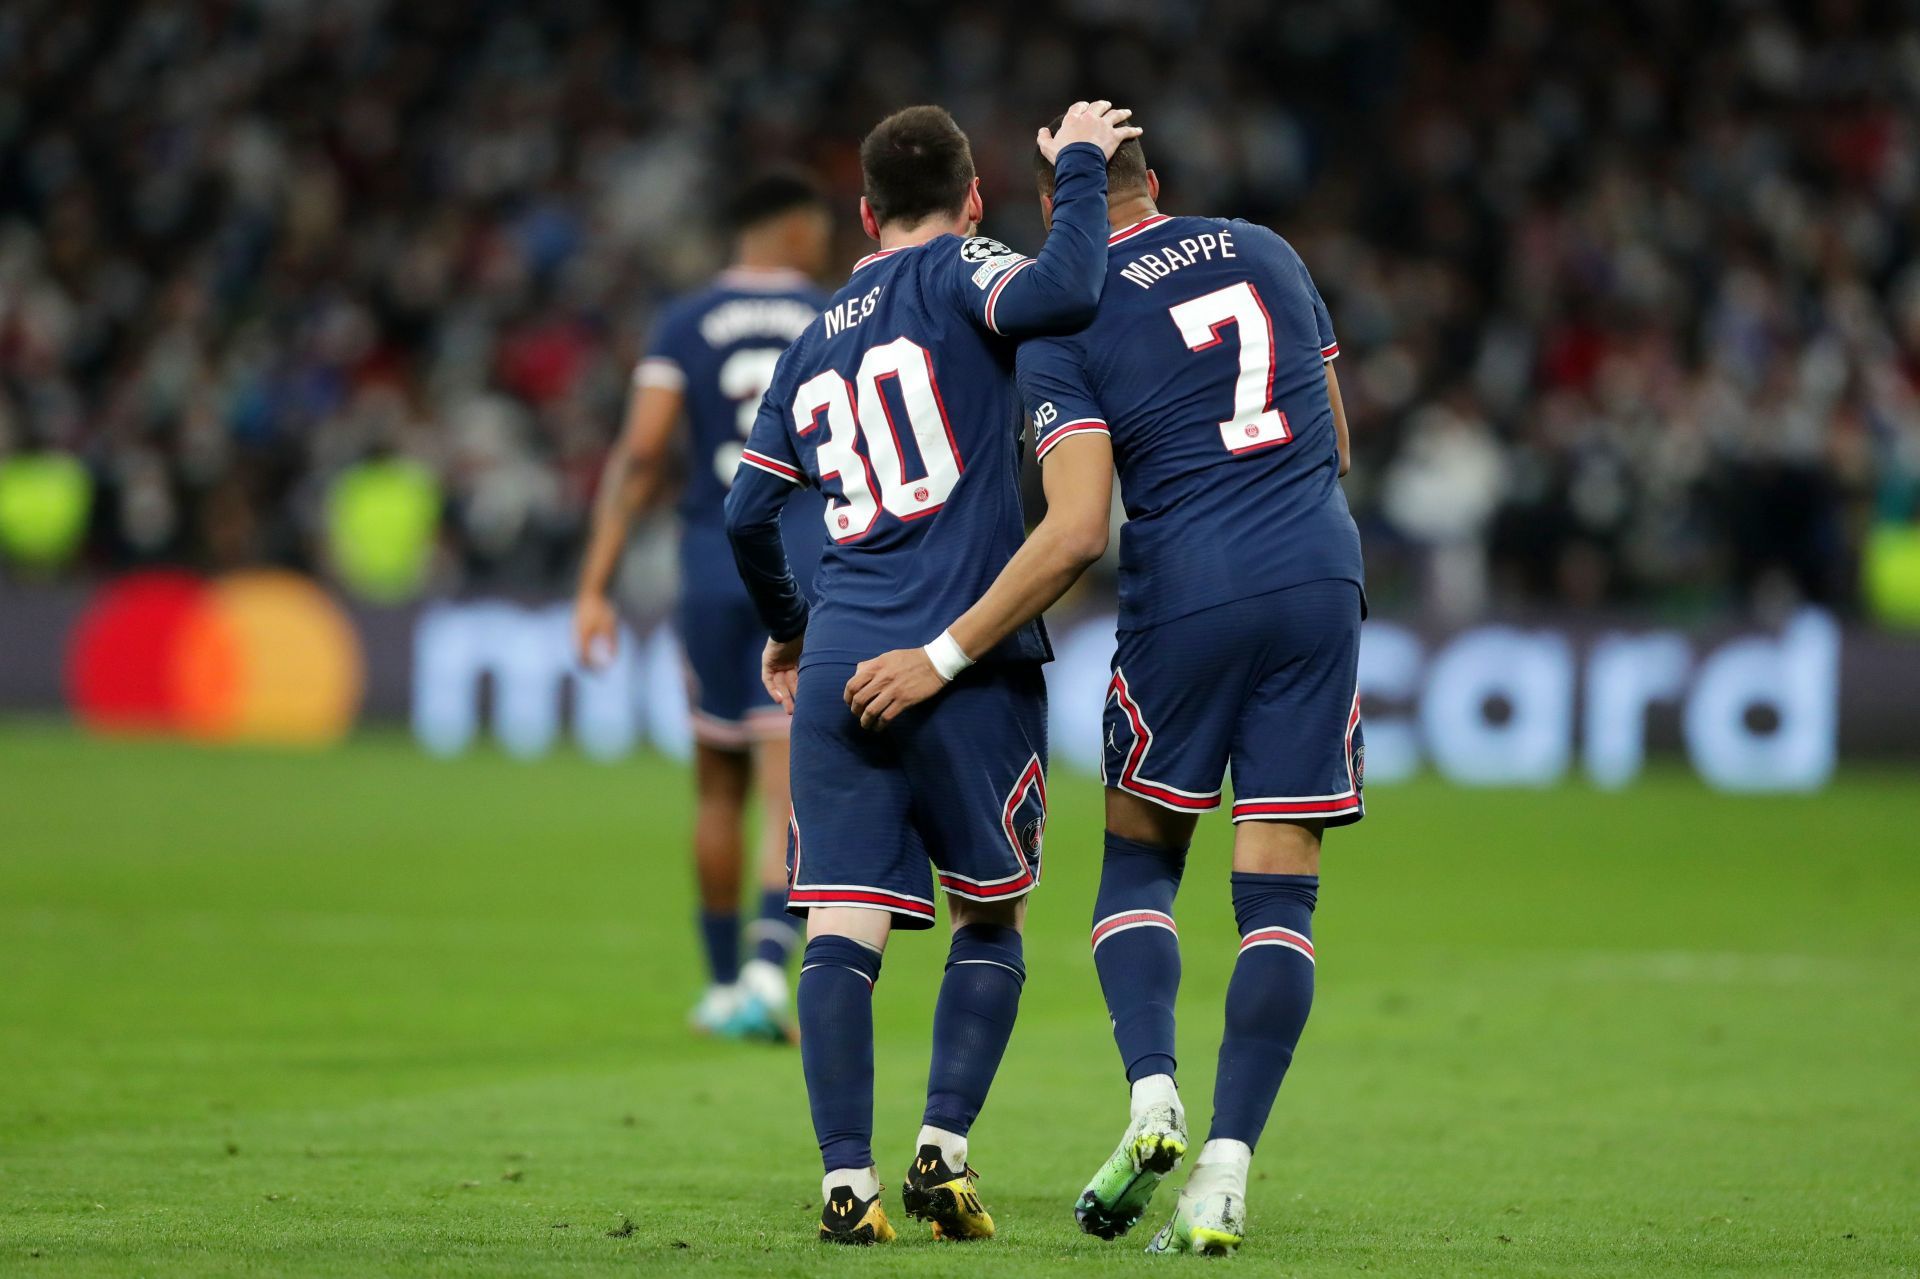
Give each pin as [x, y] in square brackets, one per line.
[899, 404]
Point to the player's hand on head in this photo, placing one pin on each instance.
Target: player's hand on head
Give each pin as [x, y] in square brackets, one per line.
[596, 631]
[882, 687]
[1098, 122]
[780, 669]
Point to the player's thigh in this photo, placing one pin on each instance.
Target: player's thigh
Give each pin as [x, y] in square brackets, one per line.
[1146, 822]
[853, 844]
[1277, 847]
[721, 774]
[977, 757]
[1297, 746]
[1170, 709]
[721, 643]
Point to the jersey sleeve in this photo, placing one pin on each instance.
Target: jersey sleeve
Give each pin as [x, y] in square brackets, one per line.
[1053, 388]
[1329, 344]
[665, 363]
[1057, 292]
[769, 446]
[768, 471]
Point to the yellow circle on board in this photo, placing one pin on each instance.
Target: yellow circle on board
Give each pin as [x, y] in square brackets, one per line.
[269, 658]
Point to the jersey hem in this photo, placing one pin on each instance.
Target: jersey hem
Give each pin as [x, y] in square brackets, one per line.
[1124, 627]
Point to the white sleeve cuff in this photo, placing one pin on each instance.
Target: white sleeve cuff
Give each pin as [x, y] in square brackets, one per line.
[1055, 434]
[658, 370]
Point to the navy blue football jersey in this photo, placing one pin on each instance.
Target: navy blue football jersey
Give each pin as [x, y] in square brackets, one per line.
[899, 404]
[1205, 365]
[718, 346]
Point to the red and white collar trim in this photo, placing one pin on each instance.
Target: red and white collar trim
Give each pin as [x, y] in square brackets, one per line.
[871, 258]
[1146, 223]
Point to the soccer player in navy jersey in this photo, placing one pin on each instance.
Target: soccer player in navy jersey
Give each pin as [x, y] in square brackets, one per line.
[898, 403]
[708, 363]
[1207, 379]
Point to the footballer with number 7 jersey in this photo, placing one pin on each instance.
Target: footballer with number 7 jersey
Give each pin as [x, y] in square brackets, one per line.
[899, 404]
[1207, 380]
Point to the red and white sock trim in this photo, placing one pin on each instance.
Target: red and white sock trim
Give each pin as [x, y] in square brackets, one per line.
[1278, 936]
[1129, 919]
[1079, 426]
[807, 968]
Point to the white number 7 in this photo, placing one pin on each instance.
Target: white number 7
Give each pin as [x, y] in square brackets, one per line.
[1255, 423]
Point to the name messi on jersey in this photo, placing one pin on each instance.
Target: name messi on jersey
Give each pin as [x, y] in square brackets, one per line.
[845, 315]
[1150, 268]
[730, 322]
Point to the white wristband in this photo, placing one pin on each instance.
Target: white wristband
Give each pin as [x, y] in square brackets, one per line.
[948, 658]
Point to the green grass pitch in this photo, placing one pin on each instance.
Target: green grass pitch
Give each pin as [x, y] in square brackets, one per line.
[366, 1013]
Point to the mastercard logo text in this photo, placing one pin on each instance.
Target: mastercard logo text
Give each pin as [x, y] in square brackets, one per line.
[251, 657]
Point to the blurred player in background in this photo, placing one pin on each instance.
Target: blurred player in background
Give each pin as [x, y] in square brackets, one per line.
[899, 403]
[709, 362]
[1207, 376]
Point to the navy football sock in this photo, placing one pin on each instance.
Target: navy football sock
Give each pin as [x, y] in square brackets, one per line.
[1137, 951]
[979, 998]
[1267, 1000]
[836, 1046]
[774, 933]
[720, 934]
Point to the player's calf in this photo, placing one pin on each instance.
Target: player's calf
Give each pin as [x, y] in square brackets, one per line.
[837, 975]
[1137, 952]
[979, 1001]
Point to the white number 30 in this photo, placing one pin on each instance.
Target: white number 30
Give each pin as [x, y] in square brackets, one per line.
[1255, 423]
[853, 415]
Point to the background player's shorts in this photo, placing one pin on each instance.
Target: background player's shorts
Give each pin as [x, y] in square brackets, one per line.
[723, 640]
[1268, 683]
[958, 781]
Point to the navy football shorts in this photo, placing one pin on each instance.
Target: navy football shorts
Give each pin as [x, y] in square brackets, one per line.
[723, 641]
[1266, 685]
[958, 781]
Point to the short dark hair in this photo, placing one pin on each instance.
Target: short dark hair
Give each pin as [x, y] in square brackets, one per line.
[916, 164]
[1126, 171]
[768, 195]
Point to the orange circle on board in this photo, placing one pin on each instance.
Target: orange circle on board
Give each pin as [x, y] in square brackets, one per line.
[269, 658]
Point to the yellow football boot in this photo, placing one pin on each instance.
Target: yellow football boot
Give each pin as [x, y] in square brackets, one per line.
[936, 1193]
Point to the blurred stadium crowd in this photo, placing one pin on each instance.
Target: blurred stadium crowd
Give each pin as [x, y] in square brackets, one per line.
[1628, 293]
